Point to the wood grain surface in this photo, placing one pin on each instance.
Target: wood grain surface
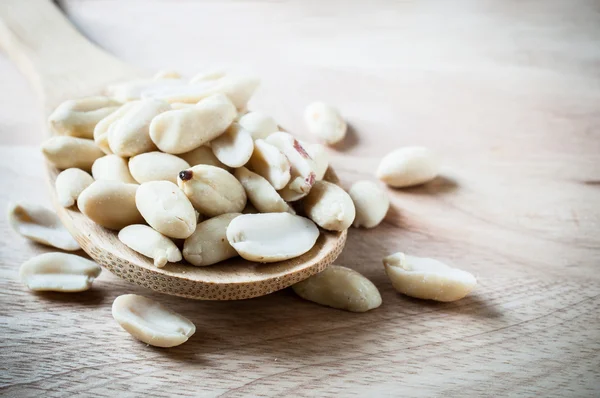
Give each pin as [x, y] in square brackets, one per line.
[507, 91]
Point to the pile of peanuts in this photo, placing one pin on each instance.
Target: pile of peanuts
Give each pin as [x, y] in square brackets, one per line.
[173, 160]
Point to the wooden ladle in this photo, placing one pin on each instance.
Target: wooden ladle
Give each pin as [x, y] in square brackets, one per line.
[61, 64]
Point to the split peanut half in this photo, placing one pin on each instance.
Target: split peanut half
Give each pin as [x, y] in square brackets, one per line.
[59, 272]
[271, 237]
[151, 322]
[40, 224]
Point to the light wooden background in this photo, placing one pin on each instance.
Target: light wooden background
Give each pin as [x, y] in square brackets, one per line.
[507, 91]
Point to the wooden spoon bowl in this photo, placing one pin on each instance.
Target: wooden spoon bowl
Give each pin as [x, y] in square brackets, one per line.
[61, 65]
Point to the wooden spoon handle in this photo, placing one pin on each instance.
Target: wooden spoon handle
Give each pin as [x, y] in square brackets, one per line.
[58, 61]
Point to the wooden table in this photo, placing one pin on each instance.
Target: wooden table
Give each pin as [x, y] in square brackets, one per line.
[507, 91]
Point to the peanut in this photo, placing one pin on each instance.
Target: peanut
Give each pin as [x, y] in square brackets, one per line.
[166, 209]
[212, 190]
[408, 166]
[208, 244]
[180, 131]
[371, 203]
[59, 272]
[426, 278]
[271, 237]
[329, 206]
[340, 287]
[151, 322]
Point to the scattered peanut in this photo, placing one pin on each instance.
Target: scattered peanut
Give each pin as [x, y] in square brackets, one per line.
[79, 117]
[65, 152]
[258, 125]
[329, 206]
[156, 166]
[260, 193]
[150, 243]
[110, 204]
[371, 203]
[408, 166]
[237, 89]
[166, 208]
[103, 126]
[302, 167]
[41, 225]
[151, 322]
[269, 162]
[180, 131]
[234, 147]
[129, 135]
[59, 272]
[69, 184]
[426, 278]
[212, 190]
[325, 122]
[112, 168]
[208, 244]
[271, 237]
[340, 287]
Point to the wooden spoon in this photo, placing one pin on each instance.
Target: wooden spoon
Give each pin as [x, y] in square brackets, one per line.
[61, 64]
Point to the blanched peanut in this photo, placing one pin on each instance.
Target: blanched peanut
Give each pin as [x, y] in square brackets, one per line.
[258, 124]
[69, 184]
[329, 206]
[59, 272]
[325, 122]
[408, 166]
[271, 237]
[103, 126]
[112, 168]
[151, 322]
[319, 155]
[237, 89]
[132, 90]
[262, 194]
[110, 204]
[180, 131]
[202, 155]
[65, 152]
[156, 166]
[41, 225]
[212, 190]
[207, 75]
[181, 105]
[302, 169]
[208, 244]
[150, 243]
[129, 135]
[371, 203]
[234, 147]
[166, 208]
[78, 117]
[167, 74]
[340, 287]
[269, 162]
[426, 278]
